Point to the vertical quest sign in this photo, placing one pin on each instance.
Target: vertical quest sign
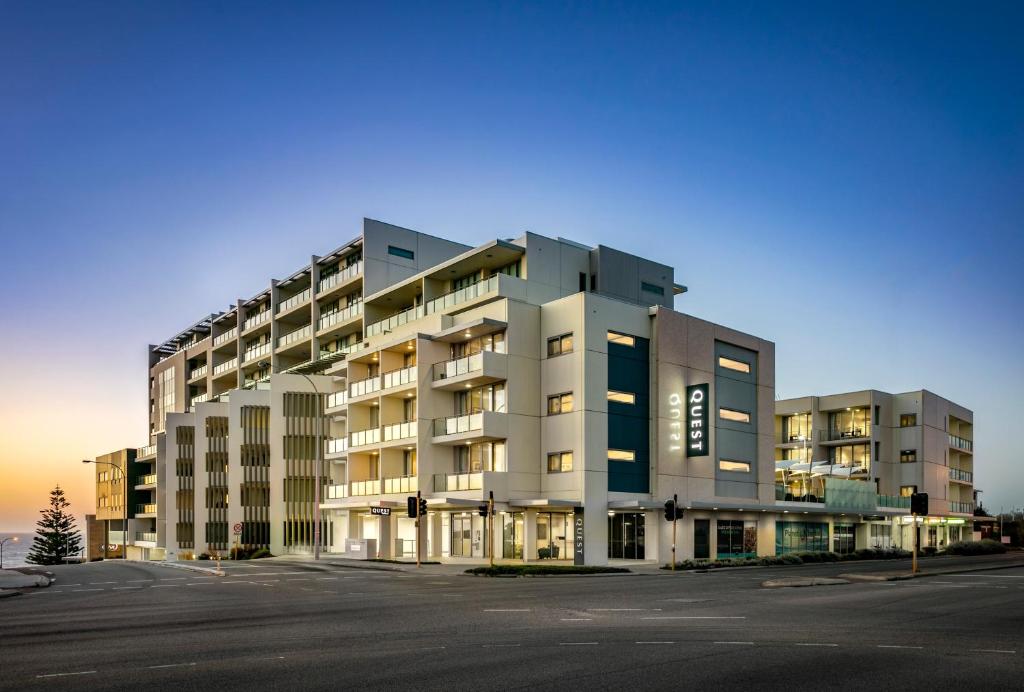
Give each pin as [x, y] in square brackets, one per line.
[697, 420]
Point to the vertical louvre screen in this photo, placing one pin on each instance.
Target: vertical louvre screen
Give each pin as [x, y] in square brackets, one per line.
[254, 492]
[184, 497]
[299, 455]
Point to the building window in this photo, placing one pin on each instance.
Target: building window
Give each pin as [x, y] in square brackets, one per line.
[621, 397]
[557, 345]
[736, 538]
[512, 269]
[733, 415]
[843, 541]
[482, 456]
[735, 466]
[560, 403]
[800, 537]
[850, 455]
[796, 428]
[401, 252]
[907, 490]
[560, 462]
[732, 364]
[626, 536]
[908, 420]
[851, 423]
[651, 288]
[621, 455]
[908, 455]
[622, 339]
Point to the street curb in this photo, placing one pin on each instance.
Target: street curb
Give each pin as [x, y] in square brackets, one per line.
[979, 568]
[877, 577]
[5, 593]
[795, 582]
[191, 568]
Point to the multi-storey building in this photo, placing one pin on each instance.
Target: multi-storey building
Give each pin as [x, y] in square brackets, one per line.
[116, 476]
[893, 445]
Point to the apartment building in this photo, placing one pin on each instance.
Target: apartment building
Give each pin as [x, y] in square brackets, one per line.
[116, 475]
[891, 445]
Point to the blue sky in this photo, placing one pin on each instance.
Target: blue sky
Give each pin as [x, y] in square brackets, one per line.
[846, 181]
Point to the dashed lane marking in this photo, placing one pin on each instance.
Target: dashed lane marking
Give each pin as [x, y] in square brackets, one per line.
[654, 642]
[61, 675]
[78, 590]
[172, 665]
[577, 643]
[103, 582]
[577, 619]
[501, 646]
[993, 651]
[121, 588]
[736, 643]
[813, 644]
[695, 617]
[620, 610]
[898, 646]
[506, 610]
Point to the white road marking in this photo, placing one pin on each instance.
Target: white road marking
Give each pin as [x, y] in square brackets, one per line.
[506, 610]
[327, 578]
[989, 576]
[172, 578]
[745, 643]
[577, 619]
[88, 590]
[993, 651]
[163, 586]
[620, 610]
[577, 643]
[654, 642]
[898, 646]
[129, 581]
[500, 646]
[813, 644]
[695, 617]
[200, 583]
[304, 579]
[117, 588]
[70, 584]
[172, 665]
[103, 582]
[60, 675]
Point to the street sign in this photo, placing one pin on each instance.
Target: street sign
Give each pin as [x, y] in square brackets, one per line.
[237, 528]
[381, 511]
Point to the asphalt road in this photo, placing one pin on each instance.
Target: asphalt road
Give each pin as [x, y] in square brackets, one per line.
[287, 626]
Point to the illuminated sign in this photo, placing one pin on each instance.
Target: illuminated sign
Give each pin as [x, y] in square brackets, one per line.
[696, 420]
[382, 511]
[578, 556]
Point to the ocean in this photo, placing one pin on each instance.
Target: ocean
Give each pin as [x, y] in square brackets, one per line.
[15, 551]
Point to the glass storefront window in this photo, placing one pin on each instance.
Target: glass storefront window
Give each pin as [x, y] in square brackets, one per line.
[554, 535]
[512, 535]
[800, 537]
[881, 536]
[469, 535]
[736, 538]
[626, 536]
[843, 541]
[701, 539]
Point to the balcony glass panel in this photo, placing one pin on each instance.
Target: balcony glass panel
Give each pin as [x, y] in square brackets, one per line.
[329, 319]
[962, 507]
[148, 479]
[360, 488]
[454, 425]
[256, 319]
[295, 335]
[297, 299]
[961, 443]
[402, 484]
[364, 437]
[894, 501]
[395, 321]
[851, 423]
[337, 492]
[459, 366]
[463, 295]
[958, 475]
[336, 445]
[257, 352]
[397, 378]
[146, 508]
[340, 276]
[149, 536]
[367, 386]
[399, 431]
[198, 372]
[444, 482]
[337, 399]
[146, 451]
[225, 366]
[226, 336]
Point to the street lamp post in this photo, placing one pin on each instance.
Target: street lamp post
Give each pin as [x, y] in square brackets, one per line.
[12, 539]
[124, 502]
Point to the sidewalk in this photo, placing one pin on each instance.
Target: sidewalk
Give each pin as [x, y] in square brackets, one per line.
[16, 579]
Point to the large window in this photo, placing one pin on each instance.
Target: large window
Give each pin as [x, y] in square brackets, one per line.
[908, 420]
[733, 415]
[559, 462]
[559, 403]
[796, 428]
[557, 345]
[626, 536]
[734, 466]
[554, 535]
[853, 422]
[736, 538]
[401, 252]
[480, 456]
[621, 455]
[907, 490]
[800, 537]
[621, 339]
[908, 456]
[881, 536]
[489, 342]
[851, 455]
[621, 397]
[490, 397]
[512, 535]
[733, 364]
[652, 288]
[843, 539]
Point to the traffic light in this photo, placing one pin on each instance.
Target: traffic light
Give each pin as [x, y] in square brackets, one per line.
[411, 506]
[679, 512]
[670, 510]
[919, 504]
[423, 507]
[482, 509]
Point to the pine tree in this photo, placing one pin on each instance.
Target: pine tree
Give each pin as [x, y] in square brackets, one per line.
[57, 537]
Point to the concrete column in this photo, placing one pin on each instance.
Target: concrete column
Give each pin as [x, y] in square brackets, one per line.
[766, 535]
[434, 535]
[862, 536]
[652, 527]
[713, 538]
[385, 547]
[530, 535]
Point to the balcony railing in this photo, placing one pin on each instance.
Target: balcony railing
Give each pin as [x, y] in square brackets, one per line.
[788, 494]
[459, 366]
[401, 484]
[367, 386]
[226, 336]
[295, 335]
[255, 320]
[396, 320]
[958, 475]
[337, 399]
[225, 366]
[849, 433]
[148, 479]
[340, 276]
[149, 508]
[337, 492]
[149, 536]
[329, 319]
[256, 352]
[463, 295]
[961, 443]
[297, 299]
[147, 451]
[454, 425]
[198, 372]
[399, 431]
[336, 445]
[364, 437]
[397, 378]
[961, 507]
[360, 488]
[894, 501]
[445, 482]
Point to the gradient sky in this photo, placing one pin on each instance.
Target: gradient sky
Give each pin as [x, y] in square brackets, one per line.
[847, 182]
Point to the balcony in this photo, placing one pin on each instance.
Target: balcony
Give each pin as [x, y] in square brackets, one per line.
[793, 494]
[148, 479]
[255, 352]
[295, 301]
[147, 451]
[363, 488]
[337, 400]
[478, 369]
[401, 484]
[337, 492]
[198, 399]
[843, 434]
[336, 445]
[256, 320]
[481, 425]
[395, 321]
[329, 319]
[961, 476]
[362, 438]
[198, 372]
[300, 334]
[145, 509]
[340, 277]
[961, 443]
[463, 295]
[894, 501]
[961, 507]
[226, 366]
[225, 337]
[145, 536]
[364, 387]
[450, 482]
[399, 431]
[398, 378]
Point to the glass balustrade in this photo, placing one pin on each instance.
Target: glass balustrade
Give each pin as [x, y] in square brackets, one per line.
[226, 336]
[337, 399]
[958, 475]
[225, 366]
[454, 425]
[399, 431]
[395, 321]
[149, 536]
[295, 335]
[336, 445]
[198, 372]
[148, 479]
[340, 276]
[961, 507]
[459, 366]
[463, 295]
[337, 492]
[148, 450]
[961, 443]
[256, 320]
[397, 378]
[894, 501]
[256, 352]
[149, 508]
[295, 300]
[362, 387]
[364, 437]
[446, 482]
[329, 319]
[401, 484]
[360, 488]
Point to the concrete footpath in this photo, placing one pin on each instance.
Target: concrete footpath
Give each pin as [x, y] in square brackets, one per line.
[895, 575]
[13, 579]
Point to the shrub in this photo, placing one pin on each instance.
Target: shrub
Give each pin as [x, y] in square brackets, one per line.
[203, 556]
[528, 570]
[985, 547]
[239, 553]
[260, 552]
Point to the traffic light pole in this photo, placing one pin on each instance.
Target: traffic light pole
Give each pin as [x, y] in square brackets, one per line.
[417, 528]
[917, 540]
[490, 526]
[675, 515]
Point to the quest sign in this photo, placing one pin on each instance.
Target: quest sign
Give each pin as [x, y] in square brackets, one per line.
[696, 420]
